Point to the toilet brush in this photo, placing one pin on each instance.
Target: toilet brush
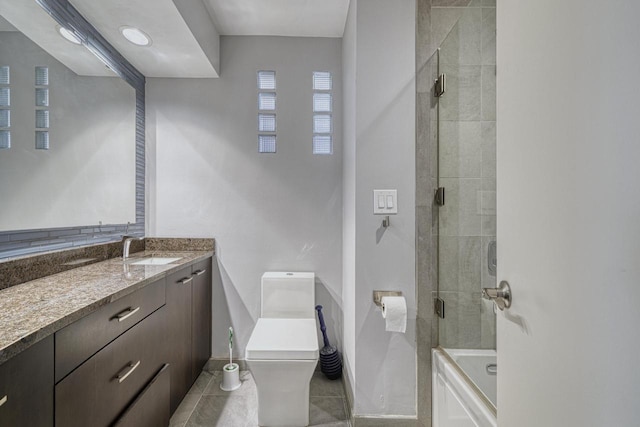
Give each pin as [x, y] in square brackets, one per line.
[330, 362]
[230, 372]
[230, 345]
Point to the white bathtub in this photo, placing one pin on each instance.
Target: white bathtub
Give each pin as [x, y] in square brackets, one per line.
[456, 402]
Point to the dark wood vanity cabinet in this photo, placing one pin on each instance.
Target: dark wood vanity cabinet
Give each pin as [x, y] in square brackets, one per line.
[151, 407]
[129, 363]
[100, 390]
[26, 387]
[201, 317]
[83, 338]
[189, 326]
[179, 286]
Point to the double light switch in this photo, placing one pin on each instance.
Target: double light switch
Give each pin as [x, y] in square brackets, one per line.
[385, 202]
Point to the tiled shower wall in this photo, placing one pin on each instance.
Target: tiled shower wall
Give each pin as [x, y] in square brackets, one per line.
[467, 222]
[468, 318]
[426, 182]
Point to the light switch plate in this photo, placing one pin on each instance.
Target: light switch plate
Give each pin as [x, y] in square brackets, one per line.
[381, 205]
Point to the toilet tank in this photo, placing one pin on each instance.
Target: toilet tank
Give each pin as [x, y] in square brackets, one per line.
[288, 295]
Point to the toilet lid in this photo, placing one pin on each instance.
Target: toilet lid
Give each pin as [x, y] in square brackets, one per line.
[283, 339]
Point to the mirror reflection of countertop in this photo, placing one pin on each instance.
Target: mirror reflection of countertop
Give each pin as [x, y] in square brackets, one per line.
[34, 310]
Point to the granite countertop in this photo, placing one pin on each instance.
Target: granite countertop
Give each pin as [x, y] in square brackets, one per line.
[34, 310]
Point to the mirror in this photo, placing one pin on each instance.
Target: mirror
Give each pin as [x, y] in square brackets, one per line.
[67, 129]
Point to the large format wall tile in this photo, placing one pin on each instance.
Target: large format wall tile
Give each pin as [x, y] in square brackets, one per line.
[442, 22]
[460, 263]
[460, 149]
[461, 214]
[489, 92]
[488, 150]
[461, 327]
[488, 39]
[463, 96]
[462, 46]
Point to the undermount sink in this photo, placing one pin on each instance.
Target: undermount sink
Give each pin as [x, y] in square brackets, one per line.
[155, 261]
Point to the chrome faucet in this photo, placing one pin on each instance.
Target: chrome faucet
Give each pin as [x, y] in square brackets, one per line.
[127, 244]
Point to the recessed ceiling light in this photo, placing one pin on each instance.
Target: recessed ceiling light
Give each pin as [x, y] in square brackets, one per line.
[136, 36]
[69, 35]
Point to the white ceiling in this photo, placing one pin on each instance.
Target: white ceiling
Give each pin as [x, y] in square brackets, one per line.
[185, 33]
[175, 52]
[183, 48]
[295, 18]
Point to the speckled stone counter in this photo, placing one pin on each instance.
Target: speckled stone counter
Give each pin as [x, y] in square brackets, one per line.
[34, 310]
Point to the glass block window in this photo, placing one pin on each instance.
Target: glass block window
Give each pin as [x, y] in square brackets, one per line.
[42, 140]
[5, 108]
[267, 101]
[266, 122]
[322, 140]
[267, 143]
[266, 111]
[5, 118]
[42, 119]
[321, 80]
[42, 112]
[5, 139]
[42, 97]
[4, 76]
[5, 97]
[322, 102]
[42, 76]
[266, 80]
[321, 123]
[322, 144]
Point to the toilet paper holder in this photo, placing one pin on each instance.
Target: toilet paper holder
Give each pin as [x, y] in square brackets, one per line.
[377, 296]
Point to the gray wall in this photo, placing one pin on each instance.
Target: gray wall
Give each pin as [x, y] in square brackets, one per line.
[268, 212]
[383, 104]
[88, 175]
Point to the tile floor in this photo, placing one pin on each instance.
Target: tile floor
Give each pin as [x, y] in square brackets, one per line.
[207, 405]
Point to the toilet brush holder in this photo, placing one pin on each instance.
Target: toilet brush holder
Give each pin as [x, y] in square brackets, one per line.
[230, 377]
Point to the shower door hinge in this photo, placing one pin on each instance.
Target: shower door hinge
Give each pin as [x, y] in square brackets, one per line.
[440, 86]
[439, 307]
[439, 197]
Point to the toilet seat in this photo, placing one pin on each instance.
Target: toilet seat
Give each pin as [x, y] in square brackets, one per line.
[283, 339]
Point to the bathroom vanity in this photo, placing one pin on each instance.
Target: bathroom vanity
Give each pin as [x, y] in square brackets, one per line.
[111, 343]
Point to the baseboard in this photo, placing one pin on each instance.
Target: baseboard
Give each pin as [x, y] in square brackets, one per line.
[363, 421]
[346, 385]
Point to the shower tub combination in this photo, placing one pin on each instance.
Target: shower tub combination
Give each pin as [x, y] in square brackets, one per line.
[464, 388]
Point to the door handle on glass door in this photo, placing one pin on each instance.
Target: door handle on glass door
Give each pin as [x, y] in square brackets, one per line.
[501, 295]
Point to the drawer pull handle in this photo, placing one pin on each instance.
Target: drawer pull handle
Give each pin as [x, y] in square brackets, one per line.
[199, 272]
[129, 370]
[186, 280]
[3, 400]
[127, 313]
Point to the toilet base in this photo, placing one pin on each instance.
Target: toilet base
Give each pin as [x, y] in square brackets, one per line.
[283, 391]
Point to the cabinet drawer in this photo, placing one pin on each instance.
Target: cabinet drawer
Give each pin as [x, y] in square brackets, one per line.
[101, 388]
[151, 407]
[26, 387]
[179, 333]
[80, 340]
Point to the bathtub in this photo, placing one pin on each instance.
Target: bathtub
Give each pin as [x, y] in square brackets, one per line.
[456, 401]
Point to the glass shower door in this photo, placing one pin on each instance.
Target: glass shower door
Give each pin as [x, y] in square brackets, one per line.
[467, 171]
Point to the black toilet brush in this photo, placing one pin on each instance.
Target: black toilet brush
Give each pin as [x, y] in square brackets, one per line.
[330, 362]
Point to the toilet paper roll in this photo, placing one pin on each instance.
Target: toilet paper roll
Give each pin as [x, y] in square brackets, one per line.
[394, 311]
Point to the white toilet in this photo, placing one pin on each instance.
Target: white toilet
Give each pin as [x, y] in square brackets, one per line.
[282, 352]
